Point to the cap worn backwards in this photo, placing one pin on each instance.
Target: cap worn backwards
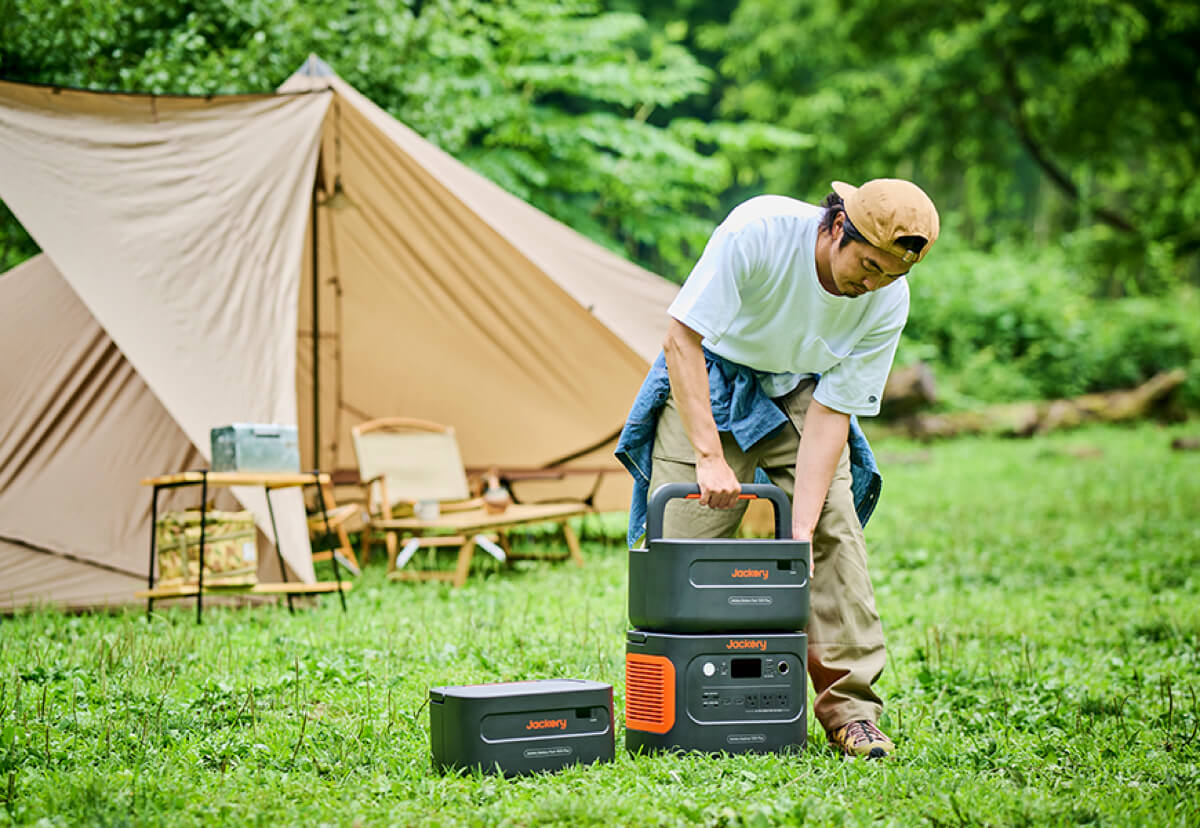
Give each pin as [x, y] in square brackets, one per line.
[885, 210]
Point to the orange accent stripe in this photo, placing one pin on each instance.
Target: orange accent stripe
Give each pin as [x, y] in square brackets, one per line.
[739, 497]
[649, 693]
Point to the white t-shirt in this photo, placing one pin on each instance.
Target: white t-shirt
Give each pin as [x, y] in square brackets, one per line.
[755, 298]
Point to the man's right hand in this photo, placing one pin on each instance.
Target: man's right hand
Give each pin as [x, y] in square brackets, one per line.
[719, 486]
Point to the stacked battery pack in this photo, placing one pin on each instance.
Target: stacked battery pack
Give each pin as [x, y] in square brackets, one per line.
[715, 661]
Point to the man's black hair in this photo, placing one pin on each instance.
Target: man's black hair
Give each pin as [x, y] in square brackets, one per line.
[833, 206]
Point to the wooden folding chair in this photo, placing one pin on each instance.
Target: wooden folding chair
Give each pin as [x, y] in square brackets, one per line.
[338, 517]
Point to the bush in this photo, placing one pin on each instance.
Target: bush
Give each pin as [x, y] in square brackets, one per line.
[1020, 325]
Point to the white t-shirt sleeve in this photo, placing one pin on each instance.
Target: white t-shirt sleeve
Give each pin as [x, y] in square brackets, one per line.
[855, 385]
[710, 299]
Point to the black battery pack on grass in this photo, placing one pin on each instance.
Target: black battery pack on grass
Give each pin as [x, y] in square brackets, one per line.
[710, 585]
[521, 727]
[711, 693]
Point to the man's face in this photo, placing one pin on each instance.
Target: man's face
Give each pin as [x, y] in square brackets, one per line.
[859, 268]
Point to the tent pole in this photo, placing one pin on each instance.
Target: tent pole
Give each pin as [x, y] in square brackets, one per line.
[316, 336]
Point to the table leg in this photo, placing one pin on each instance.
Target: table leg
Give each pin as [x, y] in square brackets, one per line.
[572, 543]
[464, 562]
[329, 538]
[153, 549]
[278, 551]
[203, 521]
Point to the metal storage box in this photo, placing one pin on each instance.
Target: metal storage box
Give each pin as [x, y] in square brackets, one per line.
[709, 585]
[712, 693]
[521, 726]
[255, 448]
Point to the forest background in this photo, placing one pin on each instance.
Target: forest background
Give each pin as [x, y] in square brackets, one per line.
[1059, 139]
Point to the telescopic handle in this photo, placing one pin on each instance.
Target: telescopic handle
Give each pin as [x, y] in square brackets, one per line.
[688, 491]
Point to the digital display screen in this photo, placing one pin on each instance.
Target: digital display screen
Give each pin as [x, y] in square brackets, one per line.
[740, 668]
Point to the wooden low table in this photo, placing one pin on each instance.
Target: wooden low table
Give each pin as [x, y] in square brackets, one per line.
[466, 525]
[269, 481]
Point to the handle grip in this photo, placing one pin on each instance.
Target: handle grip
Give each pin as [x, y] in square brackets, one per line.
[750, 491]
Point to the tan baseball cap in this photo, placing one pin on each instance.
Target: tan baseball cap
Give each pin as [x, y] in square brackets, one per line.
[886, 209]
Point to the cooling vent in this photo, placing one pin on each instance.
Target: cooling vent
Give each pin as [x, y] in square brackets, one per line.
[649, 693]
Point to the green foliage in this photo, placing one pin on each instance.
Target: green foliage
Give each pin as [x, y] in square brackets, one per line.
[1042, 613]
[604, 115]
[15, 244]
[1026, 120]
[550, 98]
[1014, 325]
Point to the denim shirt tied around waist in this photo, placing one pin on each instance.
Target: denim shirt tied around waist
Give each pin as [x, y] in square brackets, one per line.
[739, 406]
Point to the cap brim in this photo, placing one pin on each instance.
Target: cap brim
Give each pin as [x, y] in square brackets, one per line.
[843, 189]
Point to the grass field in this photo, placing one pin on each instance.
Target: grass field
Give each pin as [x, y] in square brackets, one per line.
[1041, 600]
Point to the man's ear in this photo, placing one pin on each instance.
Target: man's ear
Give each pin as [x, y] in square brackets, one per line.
[838, 226]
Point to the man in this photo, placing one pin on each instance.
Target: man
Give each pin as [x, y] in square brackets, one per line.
[782, 334]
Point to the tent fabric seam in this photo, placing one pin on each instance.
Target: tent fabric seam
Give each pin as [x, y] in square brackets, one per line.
[33, 547]
[211, 96]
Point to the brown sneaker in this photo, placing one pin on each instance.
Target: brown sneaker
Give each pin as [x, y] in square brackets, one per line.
[861, 739]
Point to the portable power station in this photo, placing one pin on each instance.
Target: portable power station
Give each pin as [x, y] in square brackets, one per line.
[521, 727]
[711, 585]
[736, 693]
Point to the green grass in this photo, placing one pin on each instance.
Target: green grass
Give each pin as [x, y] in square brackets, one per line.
[1041, 600]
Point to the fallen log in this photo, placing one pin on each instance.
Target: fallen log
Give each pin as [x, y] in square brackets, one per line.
[1025, 419]
[909, 389]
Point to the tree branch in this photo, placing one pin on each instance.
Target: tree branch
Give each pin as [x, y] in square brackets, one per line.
[1052, 170]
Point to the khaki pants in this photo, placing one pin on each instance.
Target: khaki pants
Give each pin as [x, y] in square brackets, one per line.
[846, 652]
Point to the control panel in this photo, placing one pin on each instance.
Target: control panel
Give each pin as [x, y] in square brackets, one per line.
[743, 687]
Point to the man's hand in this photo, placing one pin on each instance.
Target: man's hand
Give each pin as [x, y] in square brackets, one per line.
[719, 486]
[812, 563]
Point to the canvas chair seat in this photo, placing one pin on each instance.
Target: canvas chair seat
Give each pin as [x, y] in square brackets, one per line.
[405, 462]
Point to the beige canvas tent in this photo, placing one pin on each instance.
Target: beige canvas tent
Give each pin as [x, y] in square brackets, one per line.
[176, 292]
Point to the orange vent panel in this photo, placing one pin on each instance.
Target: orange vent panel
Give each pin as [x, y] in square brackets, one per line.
[649, 693]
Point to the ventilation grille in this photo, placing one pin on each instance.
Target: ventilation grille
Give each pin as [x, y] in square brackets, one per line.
[649, 693]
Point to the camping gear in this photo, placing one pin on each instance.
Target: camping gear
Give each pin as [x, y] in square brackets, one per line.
[715, 663]
[709, 585]
[416, 464]
[198, 272]
[521, 727]
[230, 549]
[739, 693]
[255, 448]
[209, 481]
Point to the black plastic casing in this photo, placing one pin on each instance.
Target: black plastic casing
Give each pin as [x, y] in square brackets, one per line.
[754, 700]
[719, 585]
[521, 727]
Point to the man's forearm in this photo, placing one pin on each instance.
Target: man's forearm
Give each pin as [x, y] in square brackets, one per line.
[689, 387]
[719, 486]
[821, 444]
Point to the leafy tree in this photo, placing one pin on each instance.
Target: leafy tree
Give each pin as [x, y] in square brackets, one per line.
[552, 99]
[1071, 120]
